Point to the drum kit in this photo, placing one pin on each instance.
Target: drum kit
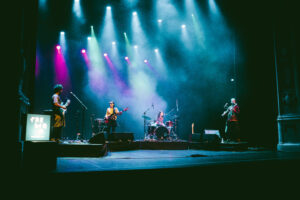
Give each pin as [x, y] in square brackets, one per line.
[99, 125]
[166, 131]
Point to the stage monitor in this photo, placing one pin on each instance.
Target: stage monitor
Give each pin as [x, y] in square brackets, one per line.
[212, 132]
[38, 127]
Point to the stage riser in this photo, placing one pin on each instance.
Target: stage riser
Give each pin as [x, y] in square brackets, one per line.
[99, 150]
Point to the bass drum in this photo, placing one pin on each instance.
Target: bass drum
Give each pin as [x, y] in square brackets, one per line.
[161, 133]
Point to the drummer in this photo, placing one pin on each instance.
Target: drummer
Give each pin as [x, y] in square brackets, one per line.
[160, 119]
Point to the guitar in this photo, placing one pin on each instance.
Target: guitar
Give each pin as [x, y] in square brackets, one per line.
[62, 110]
[114, 116]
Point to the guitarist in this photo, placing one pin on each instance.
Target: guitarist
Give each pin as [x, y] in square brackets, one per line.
[111, 118]
[59, 110]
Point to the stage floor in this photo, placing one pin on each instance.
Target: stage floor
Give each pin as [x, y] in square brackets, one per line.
[167, 159]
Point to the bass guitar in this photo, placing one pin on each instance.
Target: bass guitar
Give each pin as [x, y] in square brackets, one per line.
[113, 117]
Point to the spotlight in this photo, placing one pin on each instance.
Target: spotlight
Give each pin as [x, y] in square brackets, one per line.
[134, 13]
[126, 58]
[105, 54]
[89, 38]
[83, 51]
[232, 80]
[108, 7]
[58, 47]
[113, 43]
[183, 26]
[156, 50]
[159, 21]
[145, 61]
[135, 46]
[62, 33]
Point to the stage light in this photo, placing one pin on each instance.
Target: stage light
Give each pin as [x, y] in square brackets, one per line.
[108, 7]
[58, 47]
[113, 43]
[232, 80]
[105, 54]
[159, 21]
[62, 33]
[134, 13]
[183, 26]
[145, 61]
[83, 51]
[156, 50]
[89, 38]
[135, 46]
[126, 58]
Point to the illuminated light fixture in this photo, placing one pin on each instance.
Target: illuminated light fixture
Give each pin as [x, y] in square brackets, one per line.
[156, 50]
[105, 54]
[145, 61]
[183, 26]
[62, 33]
[192, 15]
[58, 47]
[232, 80]
[108, 7]
[134, 13]
[83, 51]
[113, 43]
[89, 38]
[126, 58]
[159, 21]
[135, 46]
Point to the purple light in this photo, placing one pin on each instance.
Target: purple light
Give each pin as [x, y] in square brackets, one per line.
[58, 47]
[145, 61]
[126, 58]
[83, 51]
[105, 54]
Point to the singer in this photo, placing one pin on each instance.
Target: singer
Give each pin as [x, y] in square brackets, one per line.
[232, 128]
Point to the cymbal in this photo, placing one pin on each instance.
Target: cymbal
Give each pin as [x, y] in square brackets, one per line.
[146, 117]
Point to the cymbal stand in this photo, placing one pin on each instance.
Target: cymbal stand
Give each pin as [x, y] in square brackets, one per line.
[145, 131]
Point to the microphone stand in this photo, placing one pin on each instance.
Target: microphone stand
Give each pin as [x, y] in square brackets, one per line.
[84, 108]
[145, 122]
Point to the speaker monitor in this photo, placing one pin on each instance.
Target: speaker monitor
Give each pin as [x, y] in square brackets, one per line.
[211, 136]
[98, 139]
[124, 137]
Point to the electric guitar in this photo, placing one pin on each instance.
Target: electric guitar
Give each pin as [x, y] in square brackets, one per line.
[113, 117]
[62, 110]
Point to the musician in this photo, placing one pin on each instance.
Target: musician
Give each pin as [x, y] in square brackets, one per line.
[232, 129]
[160, 119]
[111, 118]
[58, 113]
